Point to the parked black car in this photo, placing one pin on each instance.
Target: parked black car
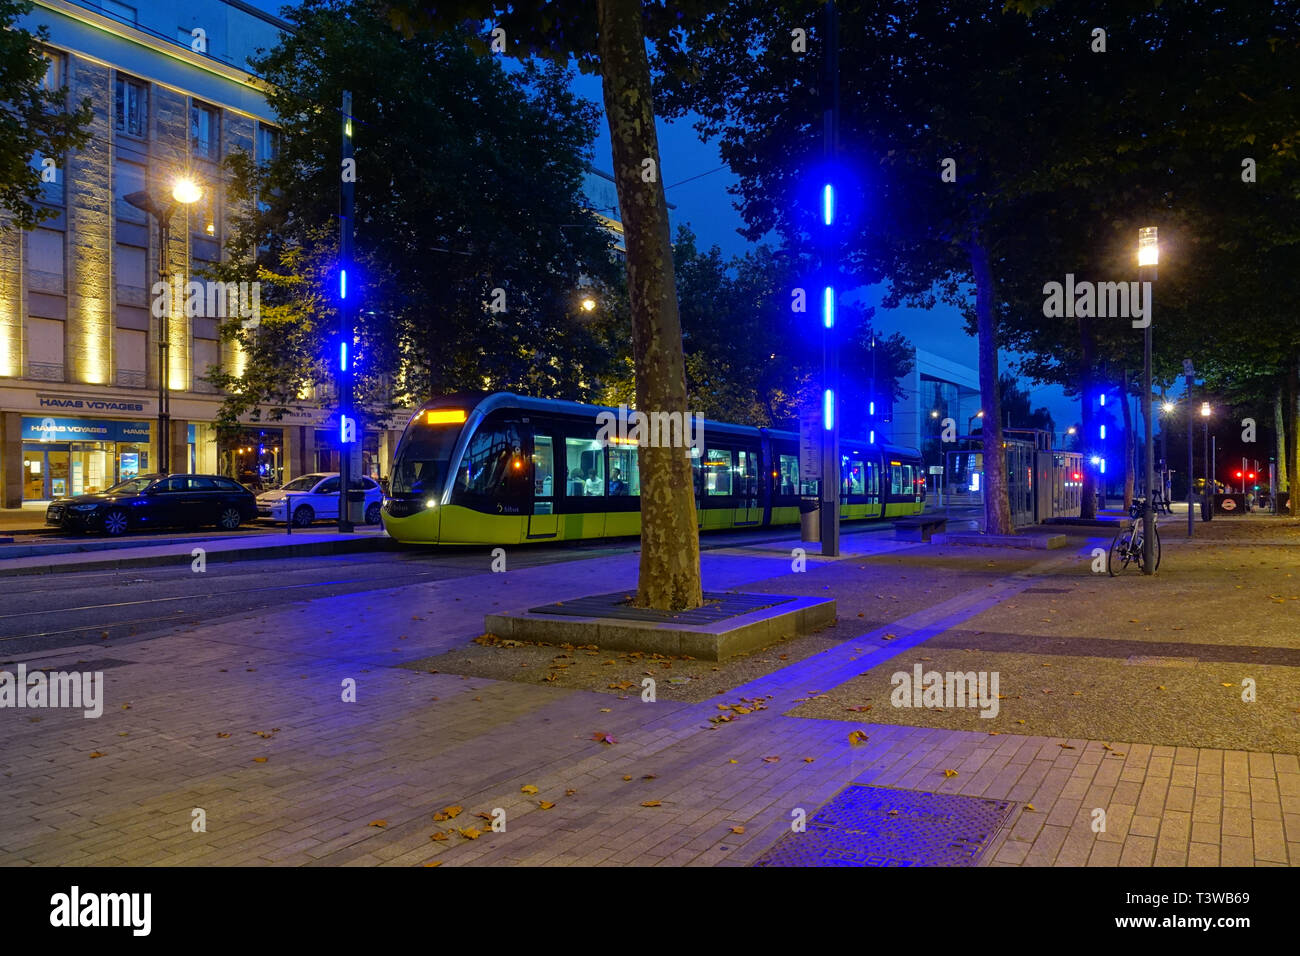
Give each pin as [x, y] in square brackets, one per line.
[157, 501]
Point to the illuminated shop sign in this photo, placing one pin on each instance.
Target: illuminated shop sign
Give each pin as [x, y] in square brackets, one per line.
[83, 429]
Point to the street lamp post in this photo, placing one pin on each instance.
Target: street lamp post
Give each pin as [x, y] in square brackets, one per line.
[1148, 259]
[1208, 488]
[185, 192]
[830, 486]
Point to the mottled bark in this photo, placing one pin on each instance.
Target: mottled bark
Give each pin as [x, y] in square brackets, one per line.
[1130, 443]
[997, 507]
[1088, 506]
[1281, 430]
[1292, 396]
[670, 544]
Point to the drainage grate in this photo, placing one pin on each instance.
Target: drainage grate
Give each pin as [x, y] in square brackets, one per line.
[718, 607]
[879, 826]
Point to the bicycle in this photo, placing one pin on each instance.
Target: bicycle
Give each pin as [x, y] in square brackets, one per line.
[1127, 545]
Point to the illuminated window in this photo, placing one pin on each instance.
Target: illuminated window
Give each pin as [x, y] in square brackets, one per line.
[786, 481]
[585, 460]
[717, 471]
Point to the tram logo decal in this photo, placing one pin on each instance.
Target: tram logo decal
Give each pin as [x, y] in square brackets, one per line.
[683, 430]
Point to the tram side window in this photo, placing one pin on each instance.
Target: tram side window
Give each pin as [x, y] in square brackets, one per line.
[895, 479]
[543, 466]
[854, 476]
[585, 459]
[873, 479]
[717, 471]
[624, 471]
[787, 479]
[909, 484]
[493, 465]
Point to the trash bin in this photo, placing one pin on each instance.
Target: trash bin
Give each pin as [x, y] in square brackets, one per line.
[356, 505]
[810, 513]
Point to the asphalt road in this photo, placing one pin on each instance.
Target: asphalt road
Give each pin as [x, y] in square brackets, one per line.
[46, 613]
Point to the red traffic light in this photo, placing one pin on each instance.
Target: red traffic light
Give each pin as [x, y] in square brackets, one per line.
[1076, 476]
[1251, 476]
[1238, 474]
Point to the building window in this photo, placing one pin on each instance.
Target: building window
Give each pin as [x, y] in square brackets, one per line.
[128, 177]
[131, 107]
[54, 72]
[132, 363]
[203, 217]
[205, 131]
[207, 357]
[45, 349]
[45, 263]
[268, 143]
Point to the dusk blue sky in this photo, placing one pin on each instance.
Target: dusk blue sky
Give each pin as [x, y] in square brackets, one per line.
[710, 211]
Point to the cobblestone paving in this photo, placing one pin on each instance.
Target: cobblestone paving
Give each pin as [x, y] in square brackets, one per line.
[245, 720]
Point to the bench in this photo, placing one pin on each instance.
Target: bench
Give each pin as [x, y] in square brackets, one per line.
[919, 528]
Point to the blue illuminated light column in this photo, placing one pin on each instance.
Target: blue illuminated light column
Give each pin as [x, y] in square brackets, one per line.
[830, 486]
[348, 436]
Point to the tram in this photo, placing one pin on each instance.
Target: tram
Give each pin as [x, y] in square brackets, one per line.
[507, 469]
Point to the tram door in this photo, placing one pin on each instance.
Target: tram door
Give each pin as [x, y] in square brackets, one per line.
[542, 522]
[745, 488]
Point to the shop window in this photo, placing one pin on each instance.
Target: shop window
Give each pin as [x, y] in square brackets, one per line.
[585, 460]
[624, 471]
[718, 471]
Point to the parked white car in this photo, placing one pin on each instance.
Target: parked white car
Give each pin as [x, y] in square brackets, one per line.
[316, 497]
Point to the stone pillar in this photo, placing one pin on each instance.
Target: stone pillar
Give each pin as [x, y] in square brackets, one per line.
[180, 447]
[11, 452]
[88, 335]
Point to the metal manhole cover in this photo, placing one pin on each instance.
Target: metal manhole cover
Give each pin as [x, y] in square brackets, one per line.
[879, 826]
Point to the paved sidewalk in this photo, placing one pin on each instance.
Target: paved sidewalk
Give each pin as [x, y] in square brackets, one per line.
[246, 721]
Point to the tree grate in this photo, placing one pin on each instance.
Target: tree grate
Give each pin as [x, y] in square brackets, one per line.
[880, 826]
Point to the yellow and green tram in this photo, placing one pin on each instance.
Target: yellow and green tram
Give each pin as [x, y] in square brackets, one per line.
[506, 469]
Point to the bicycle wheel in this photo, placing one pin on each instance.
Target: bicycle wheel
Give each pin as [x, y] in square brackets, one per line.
[1120, 553]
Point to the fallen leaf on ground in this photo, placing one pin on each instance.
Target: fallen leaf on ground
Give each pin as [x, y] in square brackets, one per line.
[528, 788]
[651, 803]
[471, 833]
[858, 737]
[604, 738]
[255, 759]
[377, 823]
[771, 759]
[544, 805]
[438, 836]
[737, 830]
[950, 773]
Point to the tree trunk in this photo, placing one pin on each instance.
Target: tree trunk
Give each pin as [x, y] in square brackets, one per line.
[1088, 506]
[670, 544]
[1281, 430]
[1292, 422]
[1130, 446]
[997, 508]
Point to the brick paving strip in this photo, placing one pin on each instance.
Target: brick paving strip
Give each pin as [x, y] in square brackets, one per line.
[399, 756]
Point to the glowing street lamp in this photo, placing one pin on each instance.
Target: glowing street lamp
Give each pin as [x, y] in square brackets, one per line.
[1148, 256]
[588, 304]
[185, 192]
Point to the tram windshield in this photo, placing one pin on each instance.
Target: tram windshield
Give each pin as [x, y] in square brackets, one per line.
[423, 457]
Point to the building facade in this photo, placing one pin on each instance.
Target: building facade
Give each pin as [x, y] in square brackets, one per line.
[80, 322]
[936, 389]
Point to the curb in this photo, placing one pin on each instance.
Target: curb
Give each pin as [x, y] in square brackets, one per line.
[183, 556]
